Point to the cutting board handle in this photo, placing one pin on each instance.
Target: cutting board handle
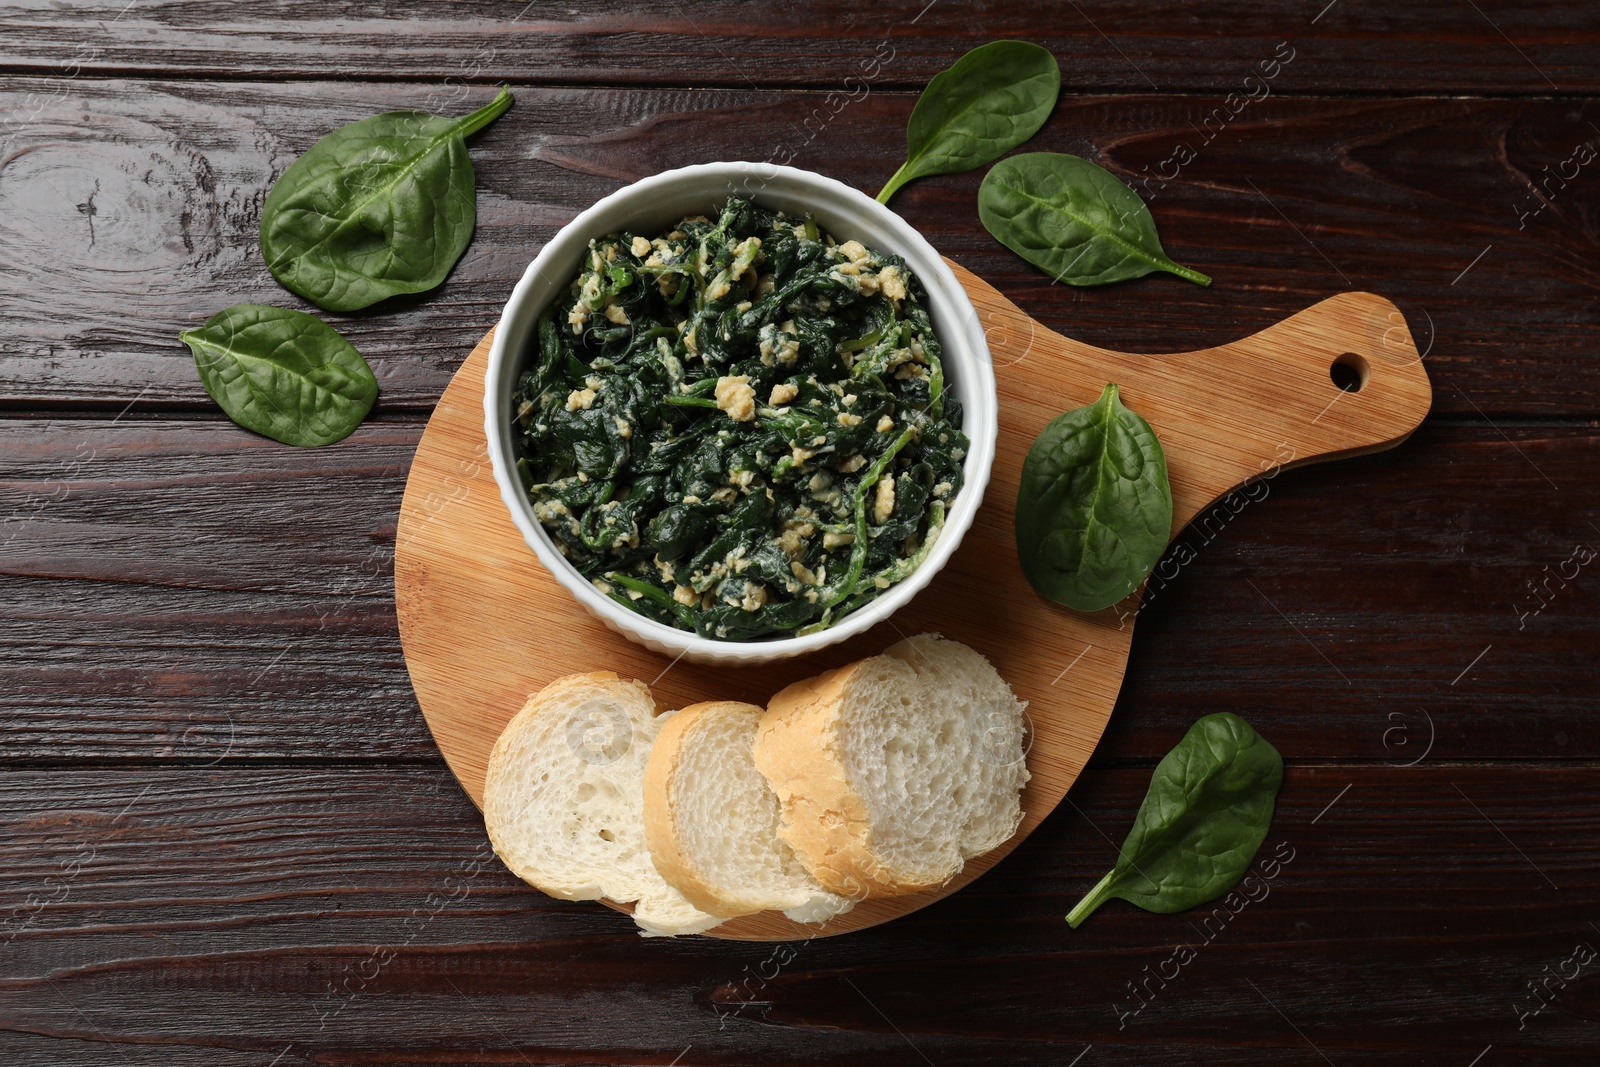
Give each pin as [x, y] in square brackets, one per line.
[1348, 375]
[1238, 412]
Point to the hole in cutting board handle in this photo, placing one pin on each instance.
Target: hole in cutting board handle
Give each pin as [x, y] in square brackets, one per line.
[1350, 372]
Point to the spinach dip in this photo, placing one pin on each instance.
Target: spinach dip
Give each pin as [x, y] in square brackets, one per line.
[739, 427]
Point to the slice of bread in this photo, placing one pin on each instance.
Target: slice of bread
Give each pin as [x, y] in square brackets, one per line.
[564, 799]
[892, 771]
[711, 820]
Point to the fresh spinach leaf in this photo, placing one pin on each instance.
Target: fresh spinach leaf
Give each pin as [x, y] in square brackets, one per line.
[1094, 510]
[993, 99]
[380, 207]
[1073, 220]
[1209, 805]
[283, 373]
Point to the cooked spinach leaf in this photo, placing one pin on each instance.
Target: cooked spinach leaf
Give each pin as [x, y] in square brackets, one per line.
[283, 373]
[1209, 805]
[994, 98]
[739, 427]
[1094, 508]
[380, 207]
[1074, 220]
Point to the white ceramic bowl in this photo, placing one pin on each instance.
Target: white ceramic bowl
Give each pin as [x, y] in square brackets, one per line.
[650, 206]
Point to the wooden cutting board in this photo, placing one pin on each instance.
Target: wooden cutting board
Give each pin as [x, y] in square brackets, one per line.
[484, 625]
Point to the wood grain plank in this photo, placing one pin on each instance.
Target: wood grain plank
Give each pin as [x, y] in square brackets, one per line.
[113, 670]
[1430, 46]
[129, 210]
[192, 587]
[354, 916]
[190, 590]
[202, 504]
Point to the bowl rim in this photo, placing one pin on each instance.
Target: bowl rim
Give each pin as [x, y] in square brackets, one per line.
[949, 306]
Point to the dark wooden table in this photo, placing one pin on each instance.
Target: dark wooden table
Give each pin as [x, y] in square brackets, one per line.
[227, 837]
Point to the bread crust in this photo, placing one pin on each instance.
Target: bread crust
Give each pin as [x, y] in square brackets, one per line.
[824, 820]
[661, 828]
